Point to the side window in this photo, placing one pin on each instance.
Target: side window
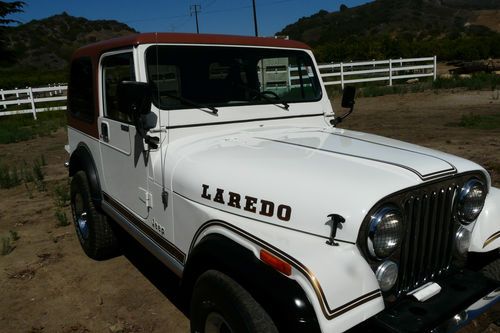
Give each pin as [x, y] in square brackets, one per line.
[81, 90]
[115, 69]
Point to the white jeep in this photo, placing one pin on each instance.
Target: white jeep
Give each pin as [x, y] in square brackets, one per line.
[221, 156]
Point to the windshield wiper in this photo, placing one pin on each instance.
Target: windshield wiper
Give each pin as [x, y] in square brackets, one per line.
[189, 102]
[275, 100]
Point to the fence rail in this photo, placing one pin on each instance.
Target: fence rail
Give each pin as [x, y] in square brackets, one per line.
[32, 96]
[378, 70]
[332, 74]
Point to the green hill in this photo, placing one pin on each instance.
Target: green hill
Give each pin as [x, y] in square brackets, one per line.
[451, 29]
[49, 43]
[39, 51]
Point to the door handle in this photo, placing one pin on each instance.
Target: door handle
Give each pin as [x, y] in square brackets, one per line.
[104, 132]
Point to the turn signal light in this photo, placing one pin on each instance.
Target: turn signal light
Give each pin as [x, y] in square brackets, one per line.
[275, 262]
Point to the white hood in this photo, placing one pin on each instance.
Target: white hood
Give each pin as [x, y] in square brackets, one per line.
[314, 172]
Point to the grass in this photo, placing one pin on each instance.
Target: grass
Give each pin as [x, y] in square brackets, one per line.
[7, 242]
[9, 177]
[27, 173]
[19, 128]
[478, 81]
[14, 176]
[61, 218]
[39, 175]
[7, 246]
[12, 78]
[61, 195]
[29, 190]
[14, 235]
[484, 122]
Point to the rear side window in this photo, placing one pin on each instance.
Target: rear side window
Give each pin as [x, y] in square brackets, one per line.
[81, 89]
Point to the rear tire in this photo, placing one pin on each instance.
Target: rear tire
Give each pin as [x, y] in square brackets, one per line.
[219, 304]
[94, 231]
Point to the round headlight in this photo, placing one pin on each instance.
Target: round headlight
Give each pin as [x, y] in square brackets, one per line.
[462, 240]
[471, 201]
[387, 274]
[386, 232]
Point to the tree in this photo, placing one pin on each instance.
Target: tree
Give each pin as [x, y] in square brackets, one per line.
[7, 8]
[343, 8]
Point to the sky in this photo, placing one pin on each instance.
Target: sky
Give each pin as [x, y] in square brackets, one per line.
[216, 16]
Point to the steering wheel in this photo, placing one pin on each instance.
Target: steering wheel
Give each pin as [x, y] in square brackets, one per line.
[264, 93]
[269, 92]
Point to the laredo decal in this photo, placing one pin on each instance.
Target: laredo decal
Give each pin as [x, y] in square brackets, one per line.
[249, 204]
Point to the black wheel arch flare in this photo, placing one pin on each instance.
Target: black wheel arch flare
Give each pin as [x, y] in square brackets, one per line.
[81, 159]
[282, 298]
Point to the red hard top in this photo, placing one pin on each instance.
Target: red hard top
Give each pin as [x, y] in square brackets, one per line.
[183, 38]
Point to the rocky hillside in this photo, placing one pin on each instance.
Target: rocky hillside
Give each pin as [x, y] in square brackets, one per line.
[48, 44]
[452, 29]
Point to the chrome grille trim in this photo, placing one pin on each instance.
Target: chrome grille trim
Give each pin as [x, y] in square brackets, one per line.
[427, 248]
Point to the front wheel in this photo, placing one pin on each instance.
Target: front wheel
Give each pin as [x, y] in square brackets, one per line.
[219, 304]
[94, 231]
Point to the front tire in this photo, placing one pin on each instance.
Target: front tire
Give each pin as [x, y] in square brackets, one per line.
[94, 231]
[219, 304]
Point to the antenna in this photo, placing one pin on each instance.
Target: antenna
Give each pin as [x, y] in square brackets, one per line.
[196, 9]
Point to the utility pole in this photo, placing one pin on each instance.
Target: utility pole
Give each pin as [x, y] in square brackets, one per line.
[255, 19]
[196, 9]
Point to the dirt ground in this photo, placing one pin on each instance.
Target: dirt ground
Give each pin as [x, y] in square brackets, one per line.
[47, 284]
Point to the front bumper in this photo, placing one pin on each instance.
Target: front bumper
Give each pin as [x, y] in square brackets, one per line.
[463, 297]
[462, 319]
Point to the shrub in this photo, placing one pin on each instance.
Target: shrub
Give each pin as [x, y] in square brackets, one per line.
[7, 246]
[61, 195]
[8, 177]
[62, 219]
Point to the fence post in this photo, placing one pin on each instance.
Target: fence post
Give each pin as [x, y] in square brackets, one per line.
[390, 72]
[32, 100]
[435, 68]
[342, 75]
[17, 95]
[3, 99]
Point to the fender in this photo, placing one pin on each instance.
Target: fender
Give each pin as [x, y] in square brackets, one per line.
[281, 297]
[486, 232]
[81, 159]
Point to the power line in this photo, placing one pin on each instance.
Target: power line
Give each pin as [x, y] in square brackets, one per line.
[209, 3]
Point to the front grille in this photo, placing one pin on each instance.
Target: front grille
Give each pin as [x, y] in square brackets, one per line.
[427, 248]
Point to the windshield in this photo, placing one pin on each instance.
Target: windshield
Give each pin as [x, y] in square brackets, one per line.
[224, 76]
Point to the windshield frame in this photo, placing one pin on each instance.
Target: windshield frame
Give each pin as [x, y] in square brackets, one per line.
[306, 61]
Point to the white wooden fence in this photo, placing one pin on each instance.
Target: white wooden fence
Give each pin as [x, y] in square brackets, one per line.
[332, 74]
[378, 70]
[31, 96]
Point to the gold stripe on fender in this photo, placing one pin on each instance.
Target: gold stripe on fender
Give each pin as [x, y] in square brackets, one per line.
[162, 242]
[491, 239]
[328, 312]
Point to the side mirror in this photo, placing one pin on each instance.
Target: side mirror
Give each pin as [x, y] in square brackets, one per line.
[347, 102]
[348, 97]
[134, 98]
